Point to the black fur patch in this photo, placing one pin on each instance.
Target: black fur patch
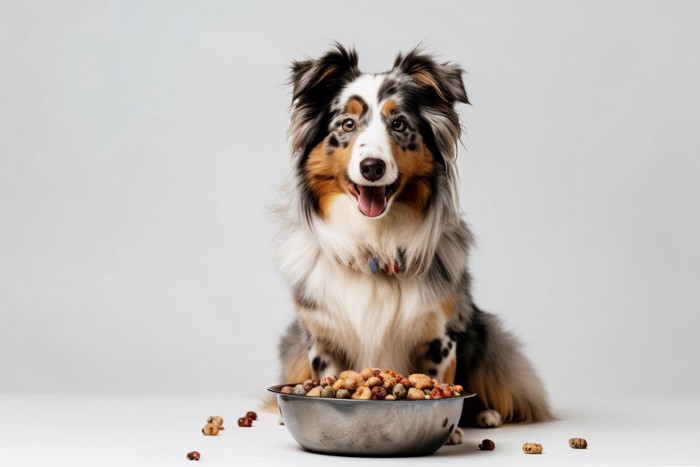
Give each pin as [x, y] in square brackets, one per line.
[315, 85]
[434, 353]
[318, 364]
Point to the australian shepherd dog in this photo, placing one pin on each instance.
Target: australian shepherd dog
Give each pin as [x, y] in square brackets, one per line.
[374, 247]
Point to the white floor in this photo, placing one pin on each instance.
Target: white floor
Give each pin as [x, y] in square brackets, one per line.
[159, 431]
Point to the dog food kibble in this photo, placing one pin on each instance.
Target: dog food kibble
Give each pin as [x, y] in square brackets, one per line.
[372, 383]
[245, 422]
[532, 448]
[362, 393]
[309, 384]
[211, 429]
[252, 415]
[327, 381]
[399, 391]
[415, 394]
[379, 392]
[420, 381]
[578, 443]
[487, 445]
[216, 420]
[193, 456]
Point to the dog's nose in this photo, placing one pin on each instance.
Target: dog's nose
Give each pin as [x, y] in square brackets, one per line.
[372, 169]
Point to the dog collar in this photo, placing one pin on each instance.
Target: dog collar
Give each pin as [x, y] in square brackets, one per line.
[390, 269]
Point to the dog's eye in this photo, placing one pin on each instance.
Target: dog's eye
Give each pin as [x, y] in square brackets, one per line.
[349, 124]
[398, 125]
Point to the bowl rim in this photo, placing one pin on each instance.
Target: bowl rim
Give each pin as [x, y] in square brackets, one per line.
[276, 390]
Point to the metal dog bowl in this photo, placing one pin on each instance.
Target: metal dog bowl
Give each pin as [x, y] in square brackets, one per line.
[373, 428]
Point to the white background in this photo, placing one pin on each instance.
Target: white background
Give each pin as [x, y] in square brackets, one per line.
[142, 143]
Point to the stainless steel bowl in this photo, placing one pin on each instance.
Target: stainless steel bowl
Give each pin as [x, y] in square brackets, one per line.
[375, 428]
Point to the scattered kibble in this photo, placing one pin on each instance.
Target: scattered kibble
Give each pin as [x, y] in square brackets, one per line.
[245, 422]
[532, 448]
[252, 415]
[216, 420]
[487, 445]
[578, 443]
[210, 429]
[193, 456]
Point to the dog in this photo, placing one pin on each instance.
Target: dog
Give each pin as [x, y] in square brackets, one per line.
[373, 244]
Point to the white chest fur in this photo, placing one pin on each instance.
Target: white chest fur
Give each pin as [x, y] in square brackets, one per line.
[377, 319]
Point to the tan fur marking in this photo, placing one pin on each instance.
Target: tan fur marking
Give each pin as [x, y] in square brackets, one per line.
[298, 371]
[354, 107]
[511, 402]
[449, 306]
[450, 372]
[326, 174]
[389, 107]
[417, 169]
[426, 79]
[327, 73]
[431, 328]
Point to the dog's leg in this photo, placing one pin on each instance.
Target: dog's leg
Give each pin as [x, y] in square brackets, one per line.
[439, 361]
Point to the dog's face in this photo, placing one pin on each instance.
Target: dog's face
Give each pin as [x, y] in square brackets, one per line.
[375, 139]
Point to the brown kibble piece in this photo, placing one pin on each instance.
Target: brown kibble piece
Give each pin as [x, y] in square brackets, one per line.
[309, 384]
[287, 390]
[216, 420]
[338, 385]
[415, 394]
[252, 415]
[578, 443]
[532, 448]
[436, 394]
[379, 392]
[421, 381]
[373, 381]
[245, 422]
[362, 393]
[327, 381]
[211, 429]
[487, 445]
[314, 392]
[193, 456]
[367, 373]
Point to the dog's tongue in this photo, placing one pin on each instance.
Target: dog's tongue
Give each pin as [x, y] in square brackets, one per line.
[372, 200]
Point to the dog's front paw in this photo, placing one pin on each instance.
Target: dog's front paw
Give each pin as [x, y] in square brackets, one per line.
[456, 437]
[488, 419]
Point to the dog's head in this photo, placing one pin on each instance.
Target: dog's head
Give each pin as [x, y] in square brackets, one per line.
[377, 139]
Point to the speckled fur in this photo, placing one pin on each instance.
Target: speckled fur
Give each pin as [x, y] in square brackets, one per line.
[421, 319]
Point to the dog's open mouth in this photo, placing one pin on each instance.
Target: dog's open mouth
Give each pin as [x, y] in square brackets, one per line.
[372, 200]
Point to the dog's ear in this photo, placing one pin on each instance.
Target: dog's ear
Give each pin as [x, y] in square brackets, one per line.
[436, 89]
[315, 84]
[444, 79]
